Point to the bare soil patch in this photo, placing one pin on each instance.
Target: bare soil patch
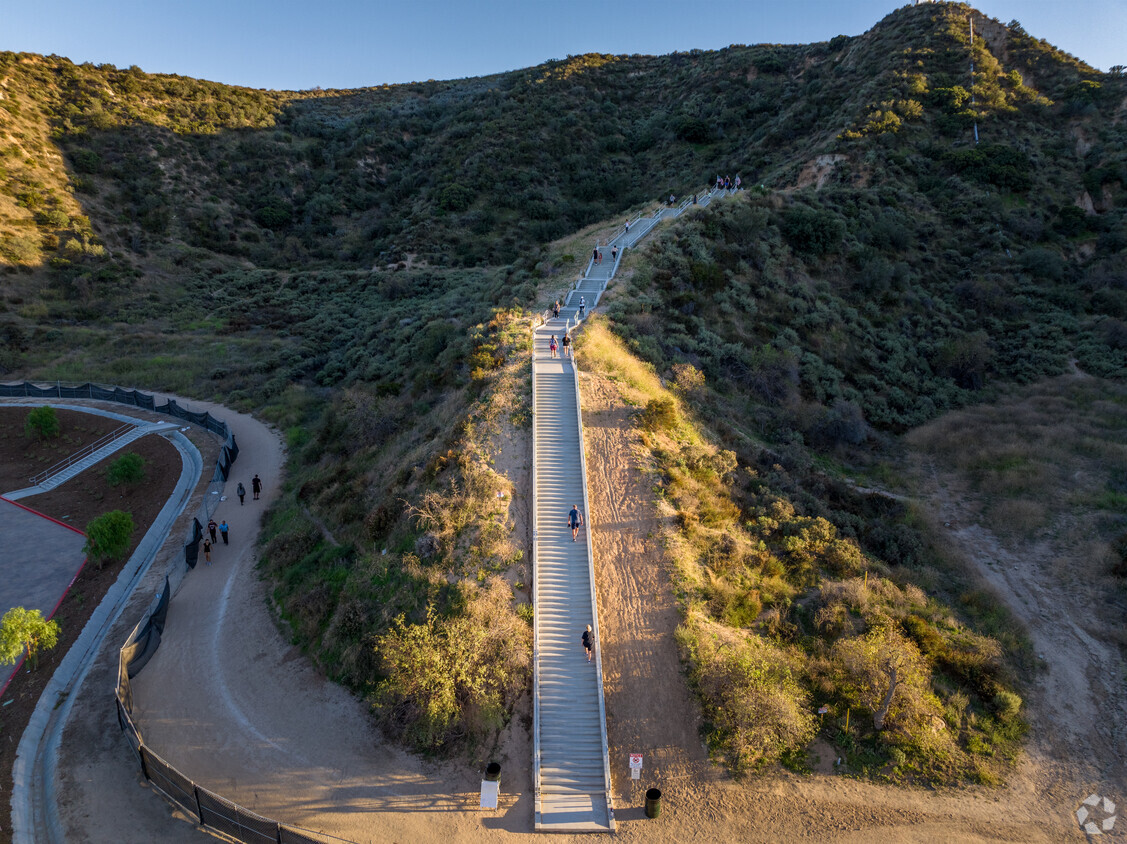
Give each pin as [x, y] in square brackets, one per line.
[76, 502]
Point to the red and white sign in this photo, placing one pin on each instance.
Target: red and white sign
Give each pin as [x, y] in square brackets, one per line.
[635, 761]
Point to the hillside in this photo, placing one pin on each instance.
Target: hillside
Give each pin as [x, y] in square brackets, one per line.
[357, 267]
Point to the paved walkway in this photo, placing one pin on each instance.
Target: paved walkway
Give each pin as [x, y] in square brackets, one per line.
[39, 557]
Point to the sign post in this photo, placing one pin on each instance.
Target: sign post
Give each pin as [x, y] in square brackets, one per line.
[635, 765]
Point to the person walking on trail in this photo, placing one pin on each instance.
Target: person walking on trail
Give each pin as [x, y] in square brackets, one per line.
[256, 486]
[582, 306]
[552, 345]
[207, 550]
[588, 641]
[242, 493]
[614, 254]
[600, 256]
[595, 254]
[211, 526]
[574, 521]
[738, 182]
[556, 309]
[627, 227]
[566, 343]
[223, 528]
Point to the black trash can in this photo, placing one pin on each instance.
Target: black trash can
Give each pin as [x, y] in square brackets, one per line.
[653, 802]
[493, 772]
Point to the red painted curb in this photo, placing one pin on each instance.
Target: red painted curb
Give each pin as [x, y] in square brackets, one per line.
[42, 515]
[12, 676]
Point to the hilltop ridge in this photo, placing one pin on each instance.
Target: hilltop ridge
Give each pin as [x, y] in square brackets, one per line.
[470, 171]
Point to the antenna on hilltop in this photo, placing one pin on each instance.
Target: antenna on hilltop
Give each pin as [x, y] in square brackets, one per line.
[970, 21]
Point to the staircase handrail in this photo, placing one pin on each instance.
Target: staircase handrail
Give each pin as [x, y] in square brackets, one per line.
[82, 453]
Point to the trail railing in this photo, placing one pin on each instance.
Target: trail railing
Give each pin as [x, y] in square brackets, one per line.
[81, 454]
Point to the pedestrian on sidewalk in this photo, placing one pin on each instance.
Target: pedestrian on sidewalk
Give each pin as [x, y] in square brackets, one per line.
[574, 521]
[582, 306]
[600, 256]
[207, 550]
[556, 309]
[211, 526]
[255, 486]
[614, 254]
[552, 345]
[738, 182]
[595, 254]
[242, 493]
[566, 342]
[223, 528]
[588, 641]
[627, 227]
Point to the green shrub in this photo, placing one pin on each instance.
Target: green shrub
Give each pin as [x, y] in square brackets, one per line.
[812, 232]
[452, 680]
[758, 708]
[127, 469]
[42, 423]
[660, 414]
[108, 537]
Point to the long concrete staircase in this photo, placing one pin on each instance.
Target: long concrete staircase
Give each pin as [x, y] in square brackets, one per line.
[571, 762]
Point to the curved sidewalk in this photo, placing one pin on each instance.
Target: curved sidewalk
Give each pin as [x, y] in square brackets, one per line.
[34, 810]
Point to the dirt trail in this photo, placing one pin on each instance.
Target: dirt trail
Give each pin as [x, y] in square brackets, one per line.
[649, 710]
[230, 701]
[1078, 705]
[237, 708]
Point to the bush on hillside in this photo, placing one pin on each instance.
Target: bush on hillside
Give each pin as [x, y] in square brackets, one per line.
[41, 423]
[451, 681]
[753, 698]
[812, 232]
[127, 469]
[108, 537]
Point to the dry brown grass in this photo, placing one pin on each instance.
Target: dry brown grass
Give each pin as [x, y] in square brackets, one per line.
[1042, 453]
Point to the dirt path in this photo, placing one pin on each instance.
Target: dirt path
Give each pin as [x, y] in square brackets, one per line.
[649, 711]
[238, 708]
[1078, 708]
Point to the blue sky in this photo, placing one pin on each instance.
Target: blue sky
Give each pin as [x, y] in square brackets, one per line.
[298, 44]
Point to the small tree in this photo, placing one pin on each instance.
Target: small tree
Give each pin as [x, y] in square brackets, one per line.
[28, 629]
[127, 469]
[886, 674]
[107, 537]
[42, 423]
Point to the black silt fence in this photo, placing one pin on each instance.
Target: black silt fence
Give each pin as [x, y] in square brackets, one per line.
[192, 543]
[173, 784]
[133, 398]
[233, 820]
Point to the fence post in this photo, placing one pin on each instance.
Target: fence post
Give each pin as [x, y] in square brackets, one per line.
[199, 809]
[141, 756]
